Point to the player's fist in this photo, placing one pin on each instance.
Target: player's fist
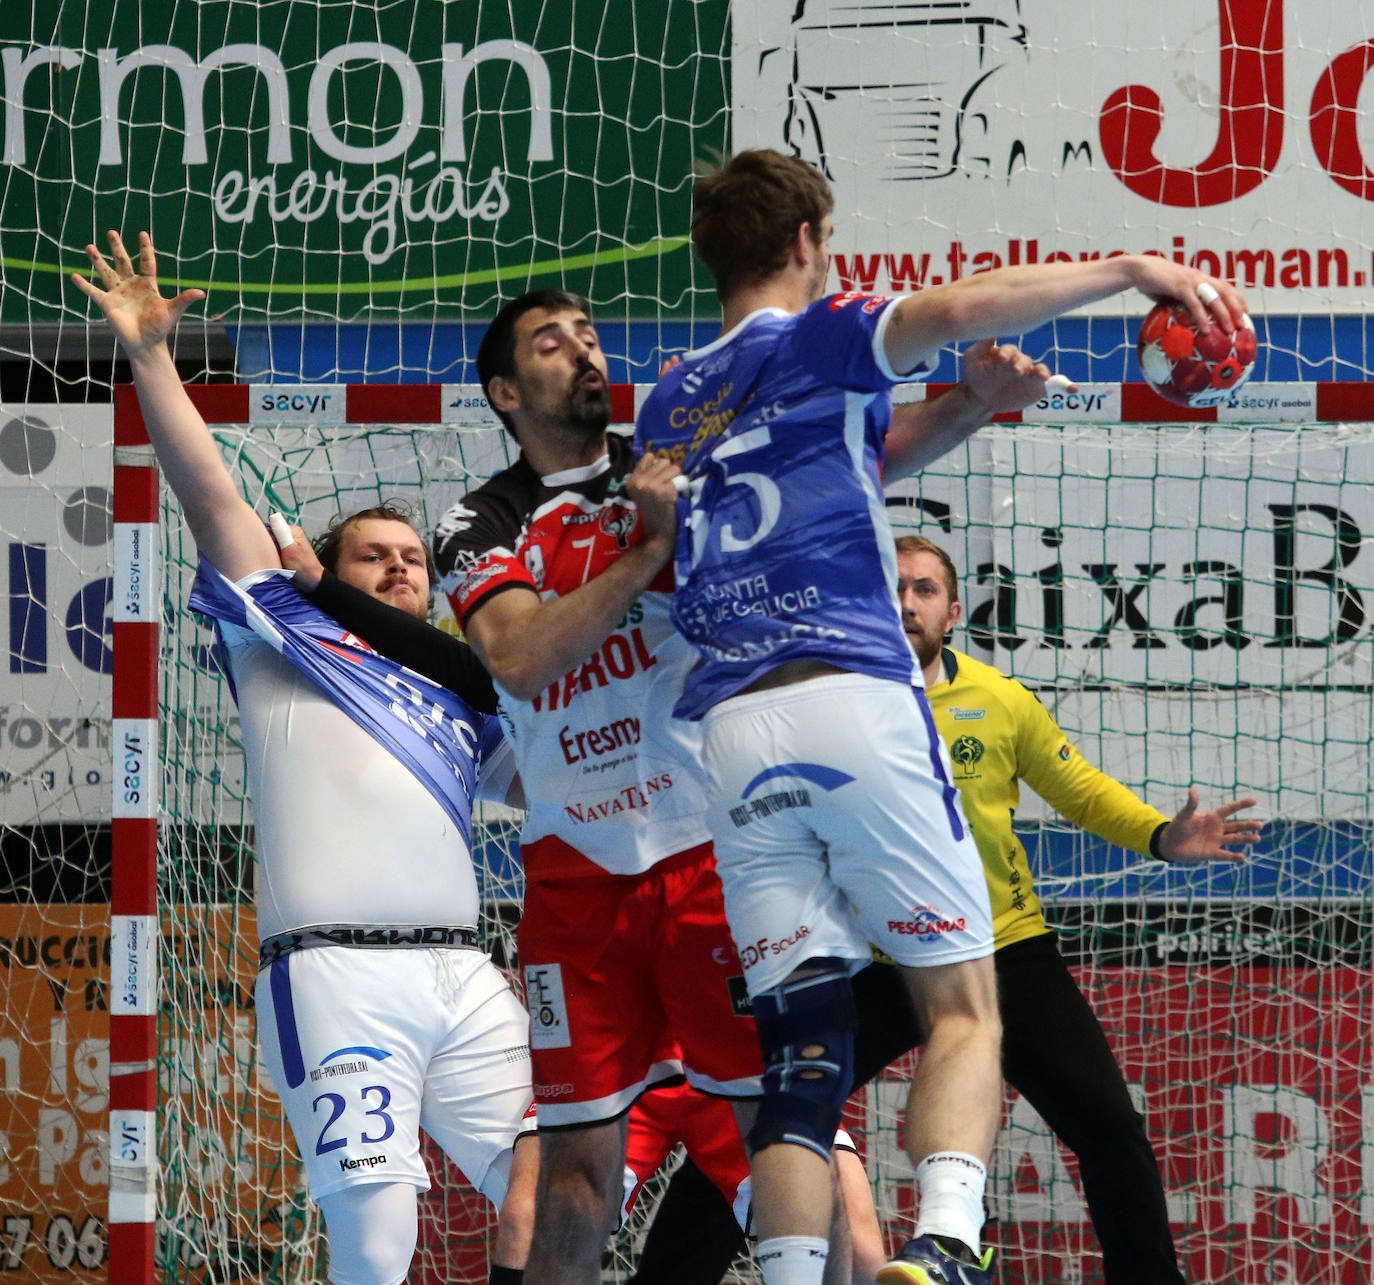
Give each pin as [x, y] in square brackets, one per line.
[653, 486]
[297, 553]
[1002, 379]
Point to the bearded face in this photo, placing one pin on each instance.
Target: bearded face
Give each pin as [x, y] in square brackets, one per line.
[560, 382]
[928, 613]
[588, 404]
[386, 559]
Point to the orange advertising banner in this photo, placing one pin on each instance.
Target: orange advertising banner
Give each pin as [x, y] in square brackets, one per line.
[54, 1058]
[229, 1180]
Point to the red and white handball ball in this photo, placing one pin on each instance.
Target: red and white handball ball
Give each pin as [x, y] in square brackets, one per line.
[1192, 367]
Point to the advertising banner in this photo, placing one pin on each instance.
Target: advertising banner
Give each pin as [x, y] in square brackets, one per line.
[403, 161]
[1192, 602]
[422, 161]
[224, 1151]
[1191, 595]
[1229, 135]
[1259, 1125]
[56, 527]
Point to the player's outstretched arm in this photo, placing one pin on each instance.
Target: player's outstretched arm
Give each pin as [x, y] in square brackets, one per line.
[226, 530]
[1015, 300]
[527, 643]
[1208, 836]
[998, 379]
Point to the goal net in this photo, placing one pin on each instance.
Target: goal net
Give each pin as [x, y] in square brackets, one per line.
[231, 1196]
[1189, 603]
[358, 184]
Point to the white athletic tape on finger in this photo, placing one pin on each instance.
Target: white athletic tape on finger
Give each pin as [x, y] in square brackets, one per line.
[281, 530]
[1207, 292]
[1059, 382]
[681, 485]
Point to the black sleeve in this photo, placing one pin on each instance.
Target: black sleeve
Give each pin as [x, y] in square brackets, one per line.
[409, 641]
[694, 1236]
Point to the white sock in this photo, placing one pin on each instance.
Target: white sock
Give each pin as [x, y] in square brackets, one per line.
[792, 1260]
[951, 1186]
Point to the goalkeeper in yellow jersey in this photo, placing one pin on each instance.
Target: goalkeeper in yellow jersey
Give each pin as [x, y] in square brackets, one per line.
[1054, 1052]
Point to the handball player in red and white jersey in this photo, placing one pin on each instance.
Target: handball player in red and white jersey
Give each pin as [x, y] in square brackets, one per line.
[557, 572]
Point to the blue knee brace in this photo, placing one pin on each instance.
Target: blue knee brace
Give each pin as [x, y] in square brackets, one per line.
[806, 1031]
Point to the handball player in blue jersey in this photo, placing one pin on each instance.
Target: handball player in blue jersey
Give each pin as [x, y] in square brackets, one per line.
[832, 809]
[378, 1015]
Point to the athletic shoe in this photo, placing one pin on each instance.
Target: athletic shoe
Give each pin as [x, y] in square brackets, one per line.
[926, 1261]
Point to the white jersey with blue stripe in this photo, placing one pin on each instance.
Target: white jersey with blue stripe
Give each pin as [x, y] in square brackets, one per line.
[784, 551]
[361, 772]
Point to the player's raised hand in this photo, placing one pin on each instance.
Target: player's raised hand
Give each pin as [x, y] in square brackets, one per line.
[1208, 836]
[654, 487]
[1003, 379]
[138, 314]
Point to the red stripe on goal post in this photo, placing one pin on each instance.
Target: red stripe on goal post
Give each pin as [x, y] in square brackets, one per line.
[622, 403]
[395, 403]
[1140, 404]
[220, 403]
[1341, 401]
[134, 928]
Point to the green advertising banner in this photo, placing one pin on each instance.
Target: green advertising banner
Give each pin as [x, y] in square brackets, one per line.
[359, 161]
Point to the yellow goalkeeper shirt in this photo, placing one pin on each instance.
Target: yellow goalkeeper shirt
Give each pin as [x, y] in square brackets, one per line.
[998, 733]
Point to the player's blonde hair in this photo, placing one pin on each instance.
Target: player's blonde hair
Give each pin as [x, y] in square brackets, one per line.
[919, 544]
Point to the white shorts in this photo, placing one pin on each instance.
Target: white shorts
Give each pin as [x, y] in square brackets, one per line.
[836, 825]
[366, 1047]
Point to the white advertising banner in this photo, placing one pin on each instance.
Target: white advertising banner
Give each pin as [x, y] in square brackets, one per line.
[1193, 603]
[56, 524]
[1234, 136]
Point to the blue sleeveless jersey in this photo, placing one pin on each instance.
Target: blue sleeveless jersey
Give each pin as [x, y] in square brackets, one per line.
[784, 550]
[428, 728]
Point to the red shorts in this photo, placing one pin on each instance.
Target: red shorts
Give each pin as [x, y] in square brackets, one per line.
[706, 1126]
[616, 969]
